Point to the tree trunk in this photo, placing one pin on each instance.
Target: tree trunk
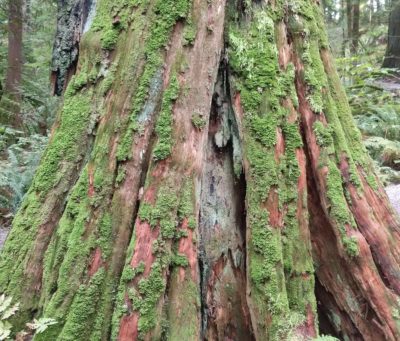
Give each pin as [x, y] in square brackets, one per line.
[355, 31]
[10, 105]
[72, 16]
[349, 17]
[205, 180]
[392, 56]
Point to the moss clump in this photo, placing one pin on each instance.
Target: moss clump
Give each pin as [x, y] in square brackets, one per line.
[198, 121]
[78, 81]
[109, 38]
[163, 212]
[105, 235]
[339, 209]
[66, 143]
[83, 308]
[179, 260]
[164, 123]
[351, 246]
[121, 175]
[189, 35]
[323, 134]
[186, 205]
[149, 289]
[124, 151]
[109, 79]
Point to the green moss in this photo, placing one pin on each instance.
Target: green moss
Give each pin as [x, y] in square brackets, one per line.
[163, 212]
[149, 289]
[83, 309]
[179, 260]
[189, 35]
[66, 143]
[109, 38]
[20, 240]
[339, 209]
[371, 180]
[186, 207]
[124, 151]
[198, 121]
[323, 134]
[164, 123]
[279, 291]
[165, 13]
[351, 246]
[121, 175]
[79, 81]
[67, 250]
[187, 310]
[109, 79]
[105, 235]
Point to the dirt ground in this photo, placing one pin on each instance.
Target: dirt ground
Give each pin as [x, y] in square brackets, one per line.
[393, 193]
[3, 235]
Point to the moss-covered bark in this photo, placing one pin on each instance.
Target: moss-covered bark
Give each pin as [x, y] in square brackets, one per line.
[205, 169]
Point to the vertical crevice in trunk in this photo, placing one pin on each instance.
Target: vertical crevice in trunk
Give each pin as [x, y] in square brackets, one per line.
[331, 318]
[222, 259]
[335, 289]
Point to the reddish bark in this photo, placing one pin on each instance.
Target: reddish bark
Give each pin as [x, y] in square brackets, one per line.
[144, 239]
[188, 248]
[129, 328]
[95, 263]
[360, 284]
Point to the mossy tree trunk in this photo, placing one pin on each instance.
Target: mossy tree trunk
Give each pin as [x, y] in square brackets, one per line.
[392, 57]
[205, 180]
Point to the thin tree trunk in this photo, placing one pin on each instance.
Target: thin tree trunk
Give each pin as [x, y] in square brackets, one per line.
[342, 21]
[205, 180]
[10, 106]
[392, 56]
[349, 16]
[355, 31]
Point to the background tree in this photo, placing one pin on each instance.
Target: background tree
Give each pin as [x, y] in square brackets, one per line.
[10, 106]
[20, 150]
[392, 57]
[205, 168]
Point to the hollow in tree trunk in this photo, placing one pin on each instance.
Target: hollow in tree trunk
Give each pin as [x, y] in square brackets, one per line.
[205, 180]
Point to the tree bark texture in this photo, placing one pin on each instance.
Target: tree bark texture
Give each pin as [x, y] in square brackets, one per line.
[10, 105]
[353, 24]
[71, 20]
[355, 30]
[205, 180]
[392, 56]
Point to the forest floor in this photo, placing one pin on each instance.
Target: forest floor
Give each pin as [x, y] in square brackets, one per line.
[393, 192]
